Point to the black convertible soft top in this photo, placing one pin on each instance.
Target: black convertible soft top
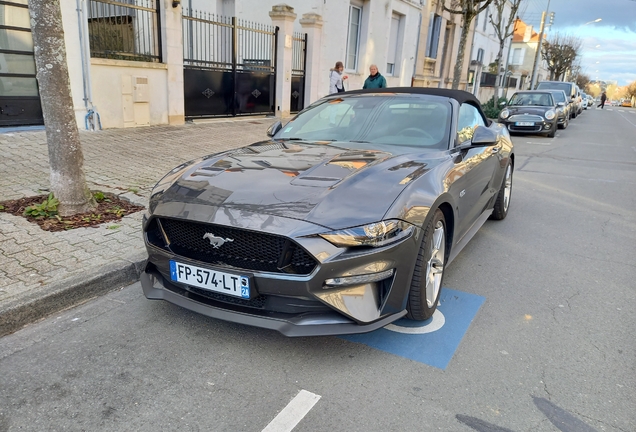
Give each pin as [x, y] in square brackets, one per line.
[459, 95]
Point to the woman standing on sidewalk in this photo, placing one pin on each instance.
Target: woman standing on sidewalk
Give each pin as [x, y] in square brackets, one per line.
[336, 79]
[375, 79]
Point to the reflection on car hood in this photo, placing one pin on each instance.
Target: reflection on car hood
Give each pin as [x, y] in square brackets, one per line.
[323, 184]
[532, 110]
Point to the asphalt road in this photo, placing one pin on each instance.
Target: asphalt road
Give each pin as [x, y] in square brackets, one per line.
[552, 348]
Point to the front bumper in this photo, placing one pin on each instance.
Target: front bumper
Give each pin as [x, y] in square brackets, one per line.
[537, 127]
[299, 304]
[156, 287]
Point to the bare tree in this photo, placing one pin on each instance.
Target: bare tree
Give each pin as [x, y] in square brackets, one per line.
[504, 28]
[582, 80]
[560, 53]
[68, 182]
[468, 9]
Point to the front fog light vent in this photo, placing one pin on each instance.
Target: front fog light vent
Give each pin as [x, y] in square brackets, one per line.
[358, 280]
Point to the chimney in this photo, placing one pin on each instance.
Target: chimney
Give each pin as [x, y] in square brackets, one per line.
[528, 34]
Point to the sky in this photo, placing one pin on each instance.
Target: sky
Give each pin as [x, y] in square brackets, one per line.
[609, 46]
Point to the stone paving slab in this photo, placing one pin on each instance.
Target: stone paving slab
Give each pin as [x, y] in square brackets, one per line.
[43, 272]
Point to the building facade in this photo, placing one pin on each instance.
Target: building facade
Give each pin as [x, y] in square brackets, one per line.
[525, 42]
[483, 73]
[140, 62]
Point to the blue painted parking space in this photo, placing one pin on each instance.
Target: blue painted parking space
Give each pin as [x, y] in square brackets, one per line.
[434, 341]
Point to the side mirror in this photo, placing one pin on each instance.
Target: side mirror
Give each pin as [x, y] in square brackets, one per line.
[483, 136]
[502, 103]
[561, 104]
[273, 129]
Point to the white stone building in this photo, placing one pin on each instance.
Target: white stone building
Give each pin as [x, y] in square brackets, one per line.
[485, 48]
[126, 57]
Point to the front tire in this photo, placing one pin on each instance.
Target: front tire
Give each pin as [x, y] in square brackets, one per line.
[502, 204]
[426, 284]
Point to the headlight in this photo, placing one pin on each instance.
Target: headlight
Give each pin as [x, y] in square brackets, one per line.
[550, 114]
[376, 234]
[504, 114]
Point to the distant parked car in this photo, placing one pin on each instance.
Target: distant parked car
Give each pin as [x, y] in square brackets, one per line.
[531, 112]
[569, 88]
[562, 109]
[584, 100]
[626, 103]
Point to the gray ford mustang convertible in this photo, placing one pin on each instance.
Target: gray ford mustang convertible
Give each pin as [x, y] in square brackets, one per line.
[342, 222]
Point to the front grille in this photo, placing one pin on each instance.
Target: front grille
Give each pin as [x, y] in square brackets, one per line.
[525, 118]
[535, 128]
[248, 250]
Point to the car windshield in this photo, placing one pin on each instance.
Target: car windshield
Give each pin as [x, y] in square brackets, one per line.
[558, 96]
[535, 99]
[389, 119]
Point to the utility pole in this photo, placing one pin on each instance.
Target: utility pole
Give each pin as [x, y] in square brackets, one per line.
[537, 54]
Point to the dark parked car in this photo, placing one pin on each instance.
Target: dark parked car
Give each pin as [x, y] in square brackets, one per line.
[342, 222]
[531, 112]
[562, 109]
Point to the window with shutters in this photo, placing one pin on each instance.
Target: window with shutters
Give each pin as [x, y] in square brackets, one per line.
[353, 37]
[517, 56]
[432, 42]
[394, 46]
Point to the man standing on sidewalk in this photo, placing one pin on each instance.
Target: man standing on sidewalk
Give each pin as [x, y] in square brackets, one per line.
[603, 99]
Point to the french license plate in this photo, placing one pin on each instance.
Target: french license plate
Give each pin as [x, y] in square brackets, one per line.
[224, 283]
[524, 124]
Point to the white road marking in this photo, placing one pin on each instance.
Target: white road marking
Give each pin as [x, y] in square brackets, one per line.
[293, 413]
[621, 110]
[610, 109]
[437, 323]
[539, 143]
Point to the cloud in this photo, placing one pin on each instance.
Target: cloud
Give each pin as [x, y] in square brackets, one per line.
[616, 34]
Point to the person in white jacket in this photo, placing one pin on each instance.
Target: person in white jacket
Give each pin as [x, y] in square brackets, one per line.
[336, 78]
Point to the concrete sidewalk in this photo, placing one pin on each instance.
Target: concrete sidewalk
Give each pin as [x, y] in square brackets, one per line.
[44, 272]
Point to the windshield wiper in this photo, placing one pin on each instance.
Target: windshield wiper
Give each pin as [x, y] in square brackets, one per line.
[359, 141]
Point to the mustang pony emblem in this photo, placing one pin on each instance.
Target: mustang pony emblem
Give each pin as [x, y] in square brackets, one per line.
[215, 241]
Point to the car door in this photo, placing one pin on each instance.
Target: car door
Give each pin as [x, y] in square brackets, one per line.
[478, 165]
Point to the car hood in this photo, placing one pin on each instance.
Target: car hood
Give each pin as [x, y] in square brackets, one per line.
[324, 184]
[532, 110]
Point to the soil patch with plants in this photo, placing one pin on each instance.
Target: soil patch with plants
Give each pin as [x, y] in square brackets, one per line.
[42, 210]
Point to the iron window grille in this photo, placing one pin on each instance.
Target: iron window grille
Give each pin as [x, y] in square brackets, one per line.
[125, 29]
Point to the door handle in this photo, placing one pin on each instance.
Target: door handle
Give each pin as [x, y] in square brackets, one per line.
[495, 150]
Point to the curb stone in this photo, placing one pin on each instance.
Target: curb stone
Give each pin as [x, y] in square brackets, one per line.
[50, 299]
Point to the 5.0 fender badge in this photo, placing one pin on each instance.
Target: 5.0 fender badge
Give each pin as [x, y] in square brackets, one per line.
[215, 241]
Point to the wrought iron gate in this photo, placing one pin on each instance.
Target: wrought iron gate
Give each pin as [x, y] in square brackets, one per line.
[299, 62]
[19, 94]
[229, 66]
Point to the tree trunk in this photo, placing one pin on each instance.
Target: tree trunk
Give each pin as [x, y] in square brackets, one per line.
[457, 73]
[499, 63]
[68, 182]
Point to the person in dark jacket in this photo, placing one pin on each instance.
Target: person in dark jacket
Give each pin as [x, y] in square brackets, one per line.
[375, 79]
[603, 99]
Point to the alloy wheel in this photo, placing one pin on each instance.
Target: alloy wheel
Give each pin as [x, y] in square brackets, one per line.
[435, 265]
[507, 188]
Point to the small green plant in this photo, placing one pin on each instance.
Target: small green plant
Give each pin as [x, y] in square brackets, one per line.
[99, 196]
[48, 208]
[1, 207]
[112, 227]
[133, 189]
[491, 109]
[117, 211]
